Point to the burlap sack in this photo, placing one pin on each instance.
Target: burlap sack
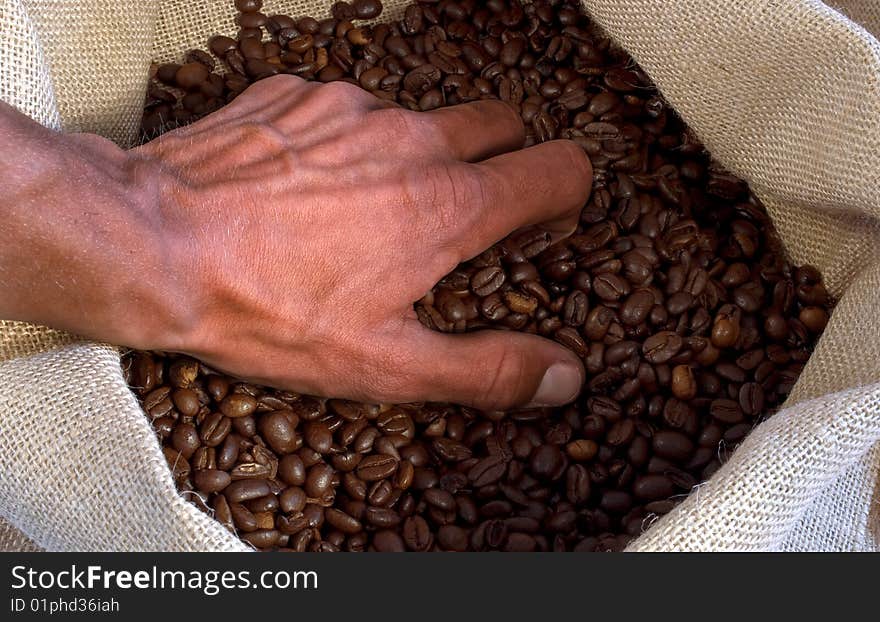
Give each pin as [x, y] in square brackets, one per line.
[786, 93]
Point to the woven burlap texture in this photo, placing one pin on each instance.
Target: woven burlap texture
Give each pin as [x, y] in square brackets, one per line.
[786, 93]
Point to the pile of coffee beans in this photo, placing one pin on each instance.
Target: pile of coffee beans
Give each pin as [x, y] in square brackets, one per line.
[674, 291]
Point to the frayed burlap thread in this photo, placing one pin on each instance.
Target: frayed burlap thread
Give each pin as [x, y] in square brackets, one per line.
[786, 93]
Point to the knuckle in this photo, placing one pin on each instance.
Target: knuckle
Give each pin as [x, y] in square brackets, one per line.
[505, 376]
[287, 164]
[262, 134]
[575, 158]
[456, 195]
[390, 378]
[282, 81]
[417, 129]
[443, 260]
[170, 142]
[507, 112]
[339, 89]
[275, 85]
[339, 92]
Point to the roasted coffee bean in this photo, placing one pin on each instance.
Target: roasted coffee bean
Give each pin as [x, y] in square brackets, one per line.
[204, 458]
[292, 470]
[376, 467]
[342, 11]
[292, 500]
[367, 9]
[684, 385]
[677, 413]
[450, 450]
[211, 480]
[439, 498]
[342, 521]
[547, 461]
[246, 489]
[264, 505]
[243, 518]
[319, 480]
[404, 476]
[279, 431]
[653, 487]
[575, 309]
[621, 433]
[570, 338]
[610, 287]
[598, 323]
[417, 534]
[452, 538]
[616, 501]
[157, 402]
[467, 510]
[814, 318]
[380, 493]
[314, 515]
[356, 488]
[185, 439]
[617, 353]
[726, 411]
[751, 398]
[487, 281]
[424, 478]
[388, 541]
[186, 401]
[672, 445]
[487, 471]
[661, 347]
[519, 302]
[220, 45]
[238, 405]
[248, 6]
[251, 470]
[318, 436]
[180, 467]
[396, 423]
[228, 452]
[577, 484]
[214, 429]
[636, 307]
[191, 75]
[582, 450]
[183, 372]
[252, 49]
[262, 538]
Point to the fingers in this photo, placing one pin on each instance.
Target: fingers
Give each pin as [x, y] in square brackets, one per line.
[489, 370]
[545, 185]
[294, 105]
[477, 130]
[469, 132]
[256, 101]
[542, 184]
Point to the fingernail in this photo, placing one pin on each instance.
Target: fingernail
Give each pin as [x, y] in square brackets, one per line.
[560, 385]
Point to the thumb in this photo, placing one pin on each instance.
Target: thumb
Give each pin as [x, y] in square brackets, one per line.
[491, 369]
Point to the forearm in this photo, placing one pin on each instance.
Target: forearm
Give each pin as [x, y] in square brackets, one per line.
[78, 249]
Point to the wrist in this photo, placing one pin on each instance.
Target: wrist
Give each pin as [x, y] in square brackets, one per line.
[134, 294]
[153, 282]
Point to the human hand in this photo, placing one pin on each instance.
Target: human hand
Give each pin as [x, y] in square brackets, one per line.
[311, 217]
